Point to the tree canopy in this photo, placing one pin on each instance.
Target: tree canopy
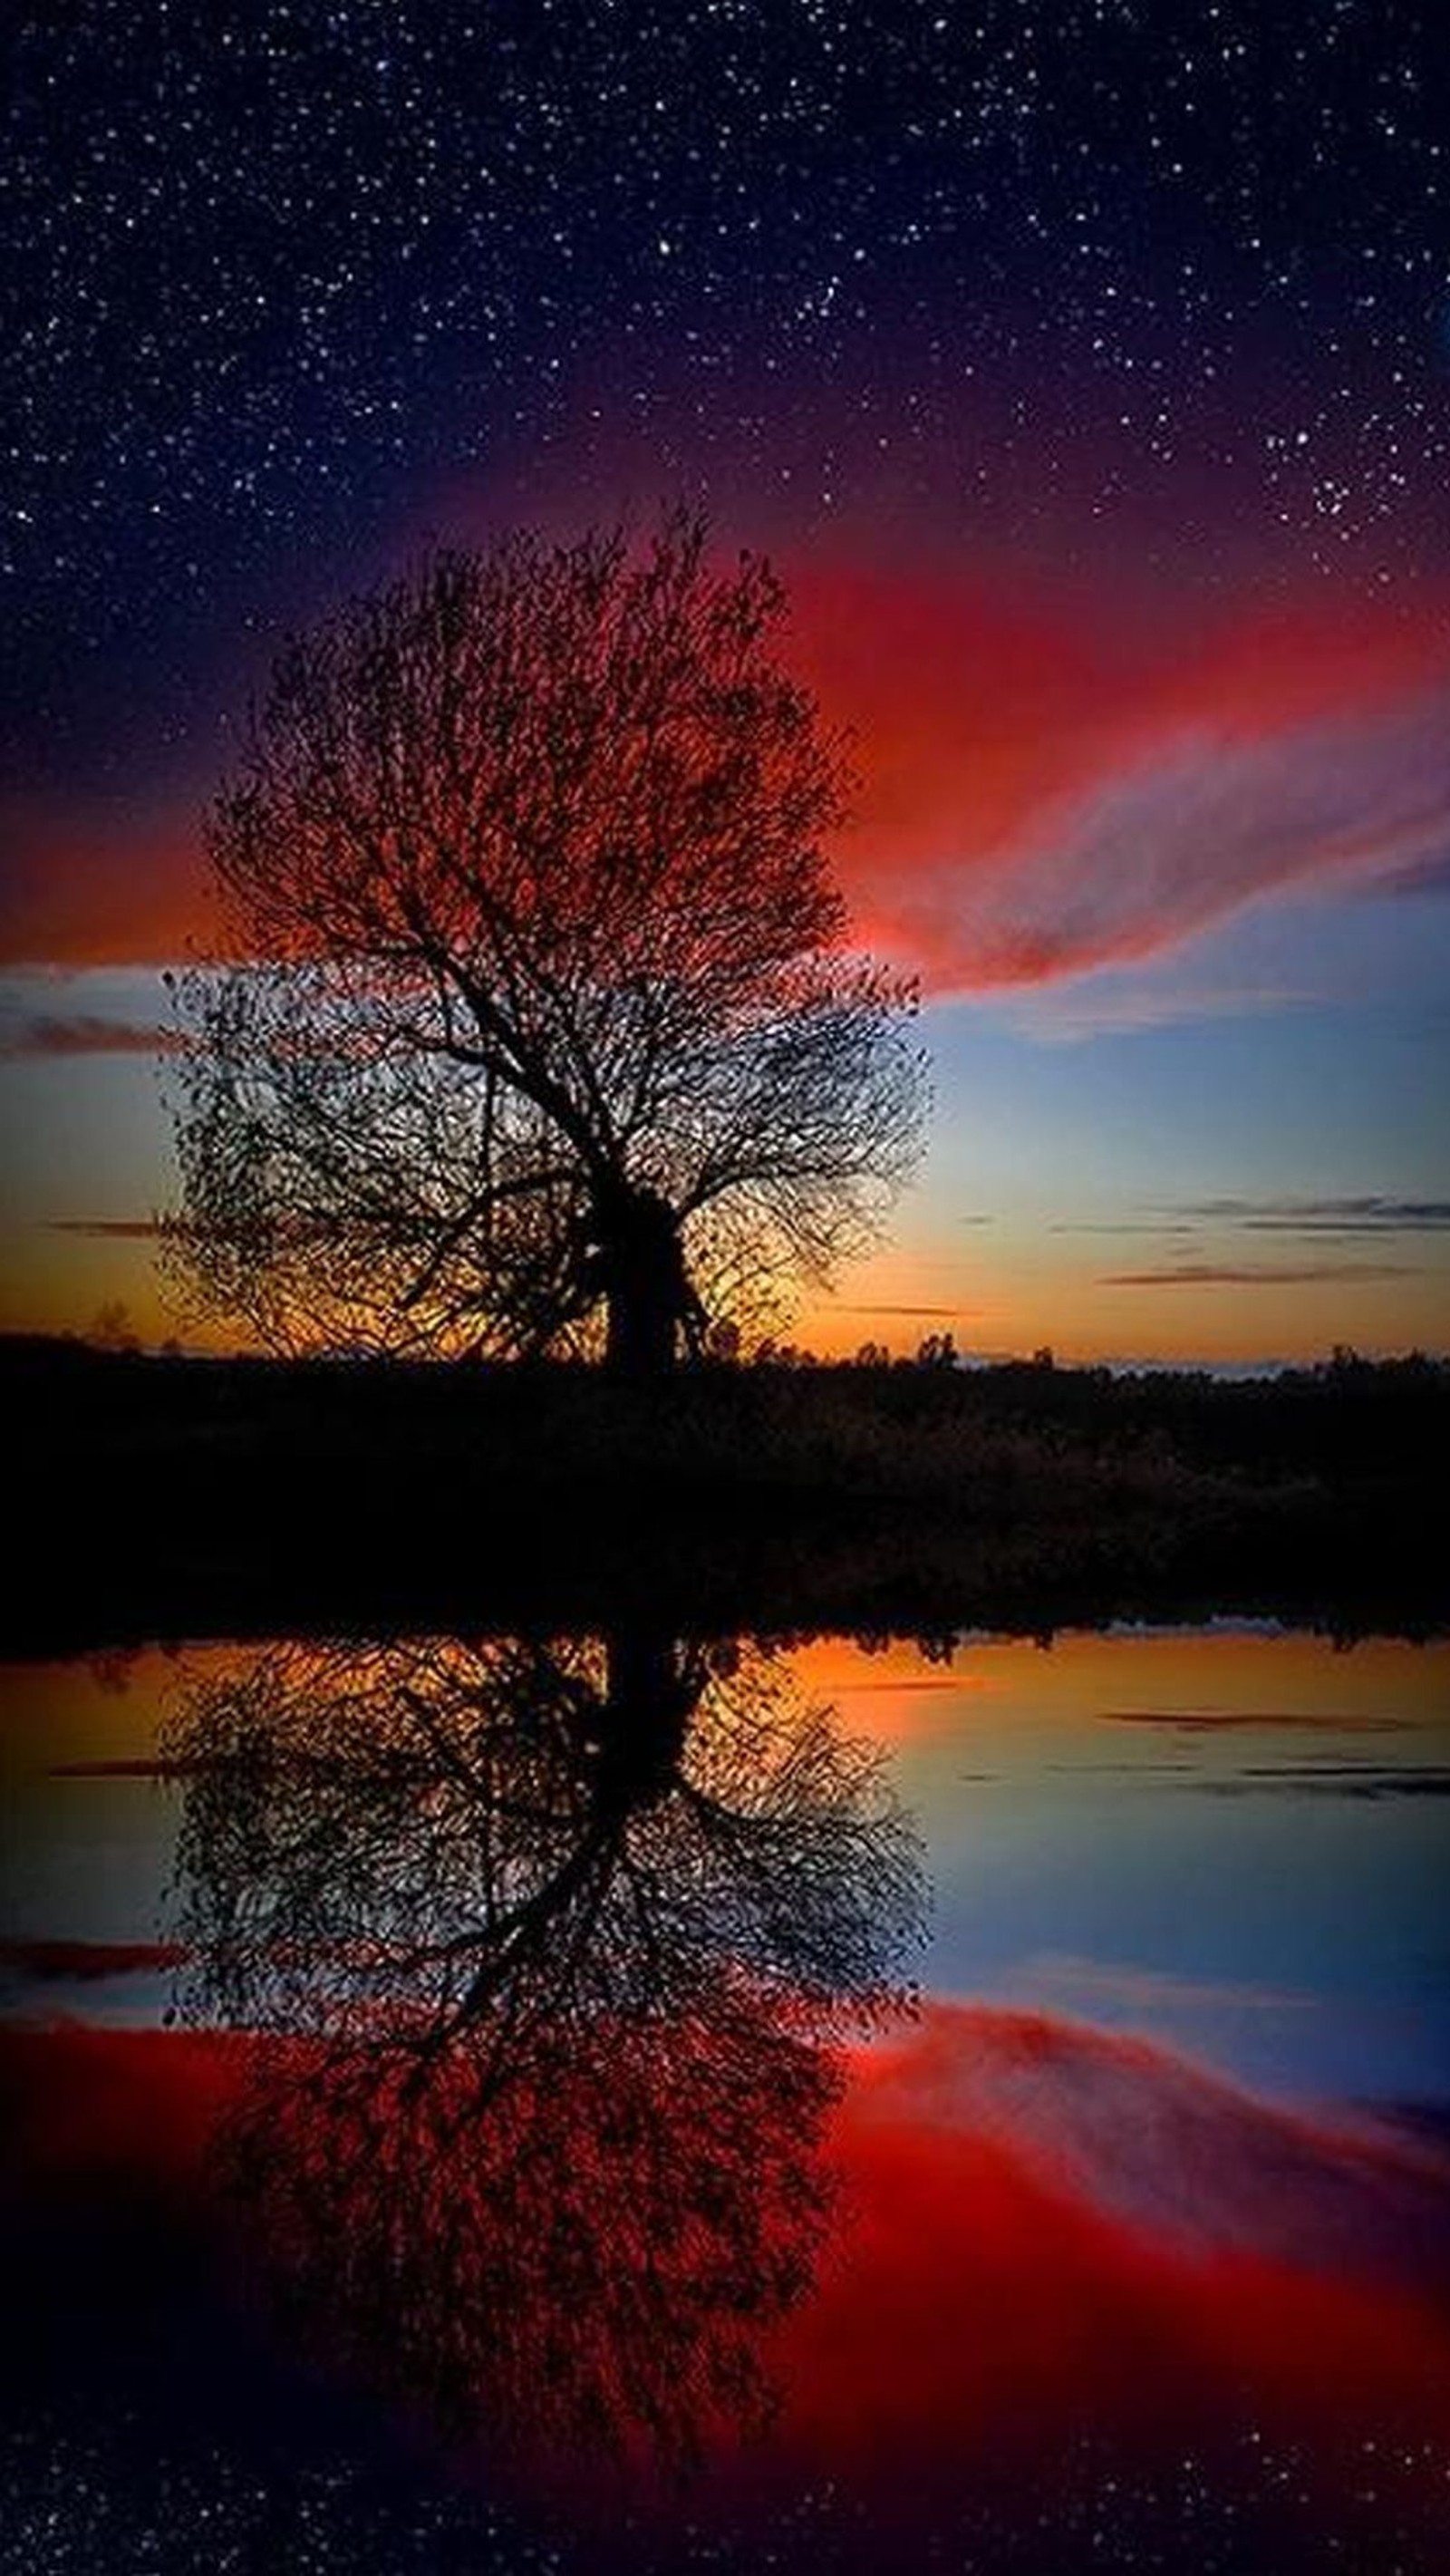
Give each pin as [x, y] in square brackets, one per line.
[545, 1954]
[534, 1026]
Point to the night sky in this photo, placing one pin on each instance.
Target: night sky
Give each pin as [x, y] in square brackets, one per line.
[1086, 369]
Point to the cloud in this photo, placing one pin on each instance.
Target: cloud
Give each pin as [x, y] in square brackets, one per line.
[1059, 2233]
[1332, 1216]
[1202, 825]
[1365, 1219]
[924, 1314]
[1330, 1780]
[87, 1962]
[1049, 788]
[1090, 1012]
[85, 1034]
[1169, 2144]
[1422, 877]
[1210, 1274]
[109, 1229]
[1213, 1721]
[1097, 1982]
[1051, 782]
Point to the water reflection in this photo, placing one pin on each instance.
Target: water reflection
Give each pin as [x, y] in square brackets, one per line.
[545, 1948]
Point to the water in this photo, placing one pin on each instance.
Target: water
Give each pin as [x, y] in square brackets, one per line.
[625, 2102]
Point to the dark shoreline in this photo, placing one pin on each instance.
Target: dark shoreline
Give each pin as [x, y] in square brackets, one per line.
[162, 1498]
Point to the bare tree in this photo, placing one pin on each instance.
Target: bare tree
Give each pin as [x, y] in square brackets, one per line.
[534, 1025]
[547, 1954]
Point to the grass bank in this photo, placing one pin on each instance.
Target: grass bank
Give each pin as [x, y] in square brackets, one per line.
[167, 1495]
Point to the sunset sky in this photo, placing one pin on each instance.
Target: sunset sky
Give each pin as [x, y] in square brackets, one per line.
[1085, 369]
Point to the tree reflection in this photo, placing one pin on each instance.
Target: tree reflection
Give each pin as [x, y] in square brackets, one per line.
[551, 1945]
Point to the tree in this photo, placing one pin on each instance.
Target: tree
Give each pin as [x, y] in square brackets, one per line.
[111, 1328]
[937, 1351]
[545, 1954]
[534, 1025]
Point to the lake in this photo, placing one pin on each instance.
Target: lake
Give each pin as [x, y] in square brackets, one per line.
[631, 2101]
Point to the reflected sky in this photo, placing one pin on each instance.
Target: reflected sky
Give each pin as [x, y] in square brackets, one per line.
[1229, 1838]
[519, 2039]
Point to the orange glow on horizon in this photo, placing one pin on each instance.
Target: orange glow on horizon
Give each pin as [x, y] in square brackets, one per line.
[1015, 1690]
[59, 1288]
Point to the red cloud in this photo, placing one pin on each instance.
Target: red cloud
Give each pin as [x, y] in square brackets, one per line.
[1048, 786]
[1050, 780]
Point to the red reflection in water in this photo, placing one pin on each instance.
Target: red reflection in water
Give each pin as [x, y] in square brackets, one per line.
[1059, 2232]
[1071, 2261]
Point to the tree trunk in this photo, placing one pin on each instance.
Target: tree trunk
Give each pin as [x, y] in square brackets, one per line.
[652, 1689]
[647, 1291]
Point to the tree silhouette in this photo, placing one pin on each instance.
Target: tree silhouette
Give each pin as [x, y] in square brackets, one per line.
[534, 1025]
[545, 1947]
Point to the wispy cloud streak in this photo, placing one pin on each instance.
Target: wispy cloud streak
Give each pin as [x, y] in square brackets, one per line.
[1213, 1274]
[108, 1229]
[1341, 1216]
[86, 1034]
[1200, 826]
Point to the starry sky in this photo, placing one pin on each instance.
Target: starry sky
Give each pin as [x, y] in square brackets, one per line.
[1085, 369]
